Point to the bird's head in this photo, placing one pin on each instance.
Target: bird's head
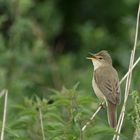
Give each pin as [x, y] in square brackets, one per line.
[100, 59]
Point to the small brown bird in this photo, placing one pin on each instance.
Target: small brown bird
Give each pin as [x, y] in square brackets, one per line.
[105, 83]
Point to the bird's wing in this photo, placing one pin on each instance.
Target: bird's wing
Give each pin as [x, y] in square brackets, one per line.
[108, 83]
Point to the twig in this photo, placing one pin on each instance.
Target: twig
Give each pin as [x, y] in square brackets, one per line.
[128, 82]
[136, 62]
[41, 123]
[5, 92]
[122, 114]
[95, 113]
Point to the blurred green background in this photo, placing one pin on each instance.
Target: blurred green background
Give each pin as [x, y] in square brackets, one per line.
[43, 49]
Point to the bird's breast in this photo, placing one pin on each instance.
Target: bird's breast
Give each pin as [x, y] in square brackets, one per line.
[97, 91]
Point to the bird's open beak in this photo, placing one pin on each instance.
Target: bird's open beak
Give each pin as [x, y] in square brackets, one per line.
[91, 58]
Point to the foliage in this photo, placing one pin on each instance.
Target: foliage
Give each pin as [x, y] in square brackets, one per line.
[62, 120]
[134, 114]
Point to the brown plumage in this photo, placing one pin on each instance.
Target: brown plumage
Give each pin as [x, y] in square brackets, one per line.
[106, 84]
[109, 86]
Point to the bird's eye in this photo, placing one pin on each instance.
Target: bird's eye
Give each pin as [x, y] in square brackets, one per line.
[100, 58]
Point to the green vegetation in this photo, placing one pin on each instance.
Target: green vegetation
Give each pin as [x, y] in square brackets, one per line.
[43, 46]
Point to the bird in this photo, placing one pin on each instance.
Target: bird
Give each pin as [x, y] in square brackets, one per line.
[105, 83]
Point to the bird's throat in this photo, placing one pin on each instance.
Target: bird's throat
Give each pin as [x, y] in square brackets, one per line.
[96, 64]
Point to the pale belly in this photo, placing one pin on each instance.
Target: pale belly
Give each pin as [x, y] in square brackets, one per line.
[97, 91]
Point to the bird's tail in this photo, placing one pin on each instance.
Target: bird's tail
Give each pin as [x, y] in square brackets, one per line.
[112, 114]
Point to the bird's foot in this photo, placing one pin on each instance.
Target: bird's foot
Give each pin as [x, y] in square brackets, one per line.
[102, 105]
